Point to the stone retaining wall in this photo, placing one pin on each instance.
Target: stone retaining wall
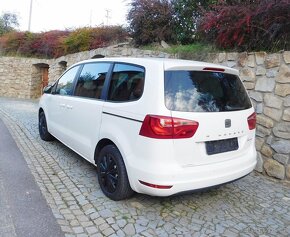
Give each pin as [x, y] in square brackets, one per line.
[266, 77]
[21, 77]
[16, 77]
[120, 50]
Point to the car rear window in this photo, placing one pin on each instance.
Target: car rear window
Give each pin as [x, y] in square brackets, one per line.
[200, 91]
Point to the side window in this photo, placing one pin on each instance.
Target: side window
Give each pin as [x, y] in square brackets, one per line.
[127, 83]
[65, 83]
[91, 80]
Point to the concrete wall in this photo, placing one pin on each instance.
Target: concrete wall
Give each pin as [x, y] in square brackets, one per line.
[266, 77]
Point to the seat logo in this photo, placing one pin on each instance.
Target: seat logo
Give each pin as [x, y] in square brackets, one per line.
[228, 123]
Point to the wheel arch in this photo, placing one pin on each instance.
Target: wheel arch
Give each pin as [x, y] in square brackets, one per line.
[40, 110]
[101, 144]
[112, 167]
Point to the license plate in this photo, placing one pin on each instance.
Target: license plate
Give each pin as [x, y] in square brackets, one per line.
[220, 146]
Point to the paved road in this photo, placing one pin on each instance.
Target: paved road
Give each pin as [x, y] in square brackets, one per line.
[24, 211]
[252, 206]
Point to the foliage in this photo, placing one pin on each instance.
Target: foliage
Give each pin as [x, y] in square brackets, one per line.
[248, 25]
[170, 20]
[151, 21]
[16, 42]
[49, 44]
[90, 38]
[8, 22]
[186, 15]
[54, 44]
[78, 40]
[196, 51]
[196, 47]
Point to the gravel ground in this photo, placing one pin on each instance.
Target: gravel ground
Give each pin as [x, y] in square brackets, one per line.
[252, 206]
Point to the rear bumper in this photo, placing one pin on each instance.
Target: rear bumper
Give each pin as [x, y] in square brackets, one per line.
[191, 178]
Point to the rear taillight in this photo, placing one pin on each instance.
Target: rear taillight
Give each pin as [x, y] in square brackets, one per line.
[252, 121]
[163, 127]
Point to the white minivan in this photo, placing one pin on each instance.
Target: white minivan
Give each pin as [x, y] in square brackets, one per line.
[153, 126]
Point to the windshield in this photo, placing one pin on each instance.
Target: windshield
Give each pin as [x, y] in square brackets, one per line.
[200, 91]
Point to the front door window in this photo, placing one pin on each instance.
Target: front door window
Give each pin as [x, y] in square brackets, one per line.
[65, 84]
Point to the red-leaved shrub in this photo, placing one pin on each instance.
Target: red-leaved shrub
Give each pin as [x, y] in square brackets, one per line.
[53, 44]
[49, 44]
[248, 25]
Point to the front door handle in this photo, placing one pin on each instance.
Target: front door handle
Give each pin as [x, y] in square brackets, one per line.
[69, 107]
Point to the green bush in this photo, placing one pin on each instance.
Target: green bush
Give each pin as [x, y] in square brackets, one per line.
[187, 14]
[78, 40]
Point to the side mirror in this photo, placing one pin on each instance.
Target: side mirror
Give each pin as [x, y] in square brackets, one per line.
[47, 89]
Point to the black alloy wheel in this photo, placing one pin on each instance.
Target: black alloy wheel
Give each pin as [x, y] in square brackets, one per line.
[42, 127]
[109, 173]
[112, 174]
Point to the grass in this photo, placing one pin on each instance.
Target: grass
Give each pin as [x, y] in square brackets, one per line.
[189, 48]
[173, 49]
[195, 51]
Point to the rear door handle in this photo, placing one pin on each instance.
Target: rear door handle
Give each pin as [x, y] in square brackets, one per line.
[69, 107]
[62, 105]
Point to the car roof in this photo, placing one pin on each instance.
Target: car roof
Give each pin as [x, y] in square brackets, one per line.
[166, 63]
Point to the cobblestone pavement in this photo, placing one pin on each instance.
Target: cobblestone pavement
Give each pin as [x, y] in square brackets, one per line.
[252, 206]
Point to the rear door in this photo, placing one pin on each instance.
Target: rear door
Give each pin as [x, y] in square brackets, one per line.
[219, 103]
[122, 108]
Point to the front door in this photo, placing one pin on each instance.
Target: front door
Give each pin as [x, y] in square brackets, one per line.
[59, 111]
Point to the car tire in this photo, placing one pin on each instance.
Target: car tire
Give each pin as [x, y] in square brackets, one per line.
[42, 127]
[112, 174]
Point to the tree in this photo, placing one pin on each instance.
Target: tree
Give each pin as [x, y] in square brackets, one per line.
[8, 22]
[151, 21]
[187, 15]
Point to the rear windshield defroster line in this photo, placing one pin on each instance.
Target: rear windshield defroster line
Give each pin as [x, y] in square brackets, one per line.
[201, 91]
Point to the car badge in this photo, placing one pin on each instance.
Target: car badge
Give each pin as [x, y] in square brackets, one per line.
[228, 123]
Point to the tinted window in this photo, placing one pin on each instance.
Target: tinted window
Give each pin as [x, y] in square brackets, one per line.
[127, 83]
[195, 91]
[65, 83]
[91, 80]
